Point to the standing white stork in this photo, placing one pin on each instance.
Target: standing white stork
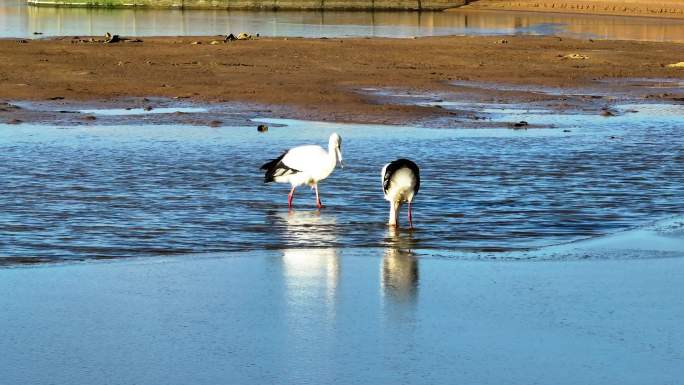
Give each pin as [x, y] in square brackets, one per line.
[400, 183]
[305, 165]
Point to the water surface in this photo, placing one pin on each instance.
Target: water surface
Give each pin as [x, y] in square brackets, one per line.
[19, 20]
[348, 316]
[143, 190]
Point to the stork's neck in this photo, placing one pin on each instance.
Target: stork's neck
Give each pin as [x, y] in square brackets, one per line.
[394, 213]
[332, 153]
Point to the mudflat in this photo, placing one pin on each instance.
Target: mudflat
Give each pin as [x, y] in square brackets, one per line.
[322, 79]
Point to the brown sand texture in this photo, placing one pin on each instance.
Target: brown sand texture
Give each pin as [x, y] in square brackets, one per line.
[318, 78]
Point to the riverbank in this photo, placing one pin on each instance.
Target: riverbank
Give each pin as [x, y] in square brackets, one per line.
[330, 5]
[657, 8]
[327, 79]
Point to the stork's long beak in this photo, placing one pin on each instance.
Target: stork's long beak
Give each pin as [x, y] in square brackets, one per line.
[339, 157]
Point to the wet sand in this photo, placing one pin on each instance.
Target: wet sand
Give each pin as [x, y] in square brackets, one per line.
[350, 316]
[321, 79]
[648, 8]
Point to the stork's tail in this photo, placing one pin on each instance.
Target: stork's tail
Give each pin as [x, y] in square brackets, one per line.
[276, 168]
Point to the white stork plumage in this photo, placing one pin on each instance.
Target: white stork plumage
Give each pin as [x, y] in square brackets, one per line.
[400, 183]
[305, 165]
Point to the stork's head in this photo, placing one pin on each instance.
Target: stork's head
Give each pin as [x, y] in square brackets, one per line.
[335, 144]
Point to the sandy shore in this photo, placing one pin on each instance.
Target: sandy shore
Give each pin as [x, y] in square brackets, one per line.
[648, 8]
[320, 79]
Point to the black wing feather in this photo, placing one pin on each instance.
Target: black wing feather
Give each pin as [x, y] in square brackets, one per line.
[276, 168]
[397, 165]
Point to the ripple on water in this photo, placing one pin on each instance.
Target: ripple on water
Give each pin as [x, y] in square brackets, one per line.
[120, 191]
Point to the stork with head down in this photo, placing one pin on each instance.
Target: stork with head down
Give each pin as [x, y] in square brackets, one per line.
[400, 183]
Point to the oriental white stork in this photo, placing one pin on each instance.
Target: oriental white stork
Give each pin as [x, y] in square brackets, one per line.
[400, 183]
[304, 165]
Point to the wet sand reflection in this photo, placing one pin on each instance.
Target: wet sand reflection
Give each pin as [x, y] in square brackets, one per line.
[313, 273]
[310, 272]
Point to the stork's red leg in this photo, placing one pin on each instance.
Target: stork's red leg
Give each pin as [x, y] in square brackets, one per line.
[290, 197]
[318, 198]
[410, 216]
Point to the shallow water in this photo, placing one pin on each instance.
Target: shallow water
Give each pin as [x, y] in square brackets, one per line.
[348, 316]
[124, 191]
[143, 111]
[619, 87]
[19, 20]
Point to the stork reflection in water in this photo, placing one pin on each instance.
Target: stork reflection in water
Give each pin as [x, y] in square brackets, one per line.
[311, 266]
[400, 273]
